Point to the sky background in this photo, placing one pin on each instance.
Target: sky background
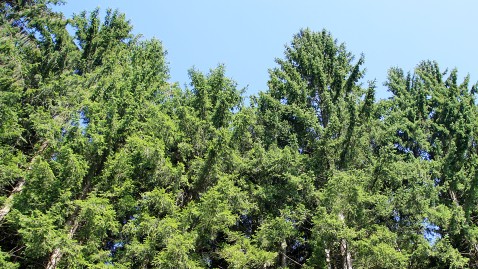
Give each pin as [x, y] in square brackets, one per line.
[248, 35]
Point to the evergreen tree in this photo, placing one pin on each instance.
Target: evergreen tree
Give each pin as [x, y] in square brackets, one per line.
[104, 163]
[433, 122]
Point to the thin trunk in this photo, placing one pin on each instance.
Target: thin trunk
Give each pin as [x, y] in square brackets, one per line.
[327, 258]
[346, 256]
[453, 197]
[283, 256]
[8, 203]
[344, 249]
[56, 255]
[73, 222]
[19, 187]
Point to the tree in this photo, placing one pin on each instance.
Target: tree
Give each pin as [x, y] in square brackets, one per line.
[104, 163]
[433, 121]
[316, 106]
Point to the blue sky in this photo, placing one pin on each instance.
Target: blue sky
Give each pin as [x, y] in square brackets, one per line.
[248, 35]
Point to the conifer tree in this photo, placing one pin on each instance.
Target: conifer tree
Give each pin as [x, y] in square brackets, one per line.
[104, 163]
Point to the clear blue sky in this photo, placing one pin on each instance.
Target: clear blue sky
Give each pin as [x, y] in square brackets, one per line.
[248, 35]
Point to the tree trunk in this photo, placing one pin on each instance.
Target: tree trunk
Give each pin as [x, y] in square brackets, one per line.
[346, 256]
[344, 250]
[9, 201]
[56, 255]
[327, 258]
[453, 197]
[73, 222]
[19, 187]
[283, 254]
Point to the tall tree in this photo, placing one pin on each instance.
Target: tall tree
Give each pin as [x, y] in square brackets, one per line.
[316, 106]
[104, 163]
[433, 120]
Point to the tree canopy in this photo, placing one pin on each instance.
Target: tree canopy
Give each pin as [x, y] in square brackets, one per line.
[104, 163]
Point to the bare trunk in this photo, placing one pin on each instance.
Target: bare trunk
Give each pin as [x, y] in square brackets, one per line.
[8, 203]
[346, 256]
[56, 255]
[19, 187]
[344, 250]
[349, 259]
[327, 258]
[73, 224]
[453, 197]
[283, 256]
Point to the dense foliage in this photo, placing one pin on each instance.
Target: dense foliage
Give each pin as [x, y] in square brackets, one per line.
[106, 164]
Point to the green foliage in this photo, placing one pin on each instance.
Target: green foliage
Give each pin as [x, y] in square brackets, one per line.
[105, 164]
[5, 263]
[378, 249]
[177, 253]
[42, 187]
[243, 254]
[38, 233]
[98, 218]
[215, 96]
[449, 256]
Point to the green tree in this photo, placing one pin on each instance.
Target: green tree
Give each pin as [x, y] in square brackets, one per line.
[104, 163]
[433, 120]
[316, 106]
